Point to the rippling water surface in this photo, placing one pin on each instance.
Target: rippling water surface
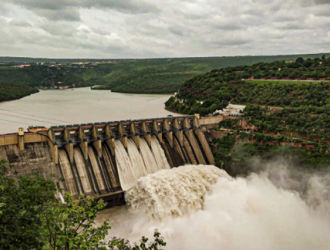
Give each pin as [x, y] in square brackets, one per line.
[83, 105]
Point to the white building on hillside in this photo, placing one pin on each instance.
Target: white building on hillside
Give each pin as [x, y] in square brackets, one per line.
[232, 110]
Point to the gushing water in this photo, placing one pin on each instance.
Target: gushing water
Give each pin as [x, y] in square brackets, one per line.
[159, 154]
[200, 207]
[139, 169]
[173, 192]
[148, 157]
[133, 164]
[124, 165]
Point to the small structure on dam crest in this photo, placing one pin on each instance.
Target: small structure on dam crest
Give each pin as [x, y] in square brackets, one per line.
[107, 158]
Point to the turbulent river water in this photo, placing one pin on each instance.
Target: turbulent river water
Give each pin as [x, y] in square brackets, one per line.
[201, 207]
[83, 105]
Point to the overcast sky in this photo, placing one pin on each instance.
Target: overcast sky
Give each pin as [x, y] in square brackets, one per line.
[162, 28]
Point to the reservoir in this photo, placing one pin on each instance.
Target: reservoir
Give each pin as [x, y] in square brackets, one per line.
[83, 105]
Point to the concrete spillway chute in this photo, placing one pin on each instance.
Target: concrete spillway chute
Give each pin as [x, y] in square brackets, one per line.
[68, 143]
[82, 142]
[193, 142]
[135, 135]
[157, 130]
[178, 131]
[168, 132]
[110, 141]
[201, 137]
[146, 132]
[96, 140]
[122, 134]
[52, 145]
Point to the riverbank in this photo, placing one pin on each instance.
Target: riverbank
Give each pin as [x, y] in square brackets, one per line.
[133, 92]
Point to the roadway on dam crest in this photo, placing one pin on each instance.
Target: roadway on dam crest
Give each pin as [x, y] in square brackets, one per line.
[83, 105]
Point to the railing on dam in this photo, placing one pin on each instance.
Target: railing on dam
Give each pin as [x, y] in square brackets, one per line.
[105, 158]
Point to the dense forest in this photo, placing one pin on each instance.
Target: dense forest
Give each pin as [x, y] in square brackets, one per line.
[164, 75]
[167, 75]
[10, 92]
[207, 93]
[38, 75]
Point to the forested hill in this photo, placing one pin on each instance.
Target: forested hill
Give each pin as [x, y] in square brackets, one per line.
[167, 75]
[164, 75]
[10, 92]
[214, 90]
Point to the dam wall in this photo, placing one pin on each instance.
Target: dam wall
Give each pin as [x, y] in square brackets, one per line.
[106, 159]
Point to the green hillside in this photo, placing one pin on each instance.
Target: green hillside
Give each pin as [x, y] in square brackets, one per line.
[164, 75]
[206, 93]
[167, 75]
[14, 91]
[36, 76]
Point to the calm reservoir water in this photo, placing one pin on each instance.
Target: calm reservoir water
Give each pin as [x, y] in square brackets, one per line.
[83, 105]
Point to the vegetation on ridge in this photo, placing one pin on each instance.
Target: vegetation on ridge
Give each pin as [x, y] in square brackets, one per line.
[212, 91]
[10, 92]
[120, 75]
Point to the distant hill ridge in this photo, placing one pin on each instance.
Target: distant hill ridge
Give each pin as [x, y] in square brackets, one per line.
[6, 59]
[162, 75]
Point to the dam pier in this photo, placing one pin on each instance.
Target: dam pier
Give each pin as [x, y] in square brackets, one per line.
[107, 158]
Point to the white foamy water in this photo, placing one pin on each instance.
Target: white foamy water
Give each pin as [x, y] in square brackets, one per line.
[173, 192]
[148, 157]
[134, 164]
[243, 213]
[159, 154]
[125, 167]
[139, 169]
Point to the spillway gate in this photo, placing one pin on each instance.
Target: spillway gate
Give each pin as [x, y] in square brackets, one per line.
[107, 158]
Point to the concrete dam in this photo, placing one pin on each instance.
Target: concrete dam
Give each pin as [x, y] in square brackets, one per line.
[106, 159]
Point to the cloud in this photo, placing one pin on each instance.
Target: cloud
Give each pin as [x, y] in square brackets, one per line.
[20, 23]
[148, 28]
[62, 15]
[229, 42]
[291, 26]
[321, 2]
[68, 9]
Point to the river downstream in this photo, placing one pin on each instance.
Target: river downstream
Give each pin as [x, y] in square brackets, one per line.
[83, 105]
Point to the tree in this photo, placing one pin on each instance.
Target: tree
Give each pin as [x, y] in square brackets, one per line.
[323, 58]
[300, 60]
[71, 226]
[22, 202]
[122, 244]
[31, 218]
[308, 63]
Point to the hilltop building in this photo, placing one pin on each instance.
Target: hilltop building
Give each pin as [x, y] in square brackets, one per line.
[232, 110]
